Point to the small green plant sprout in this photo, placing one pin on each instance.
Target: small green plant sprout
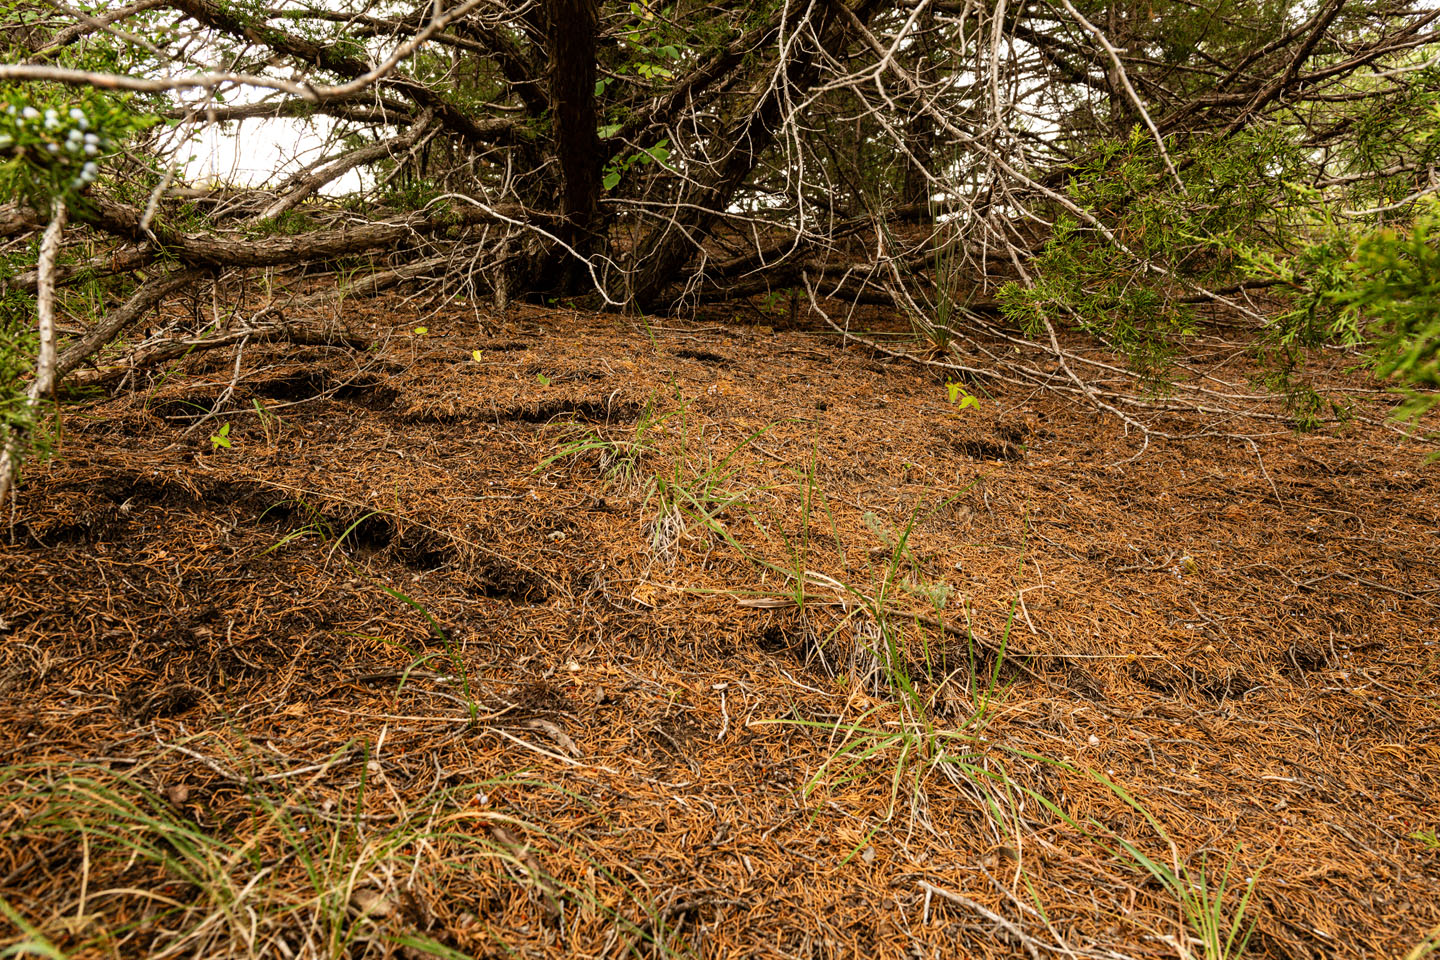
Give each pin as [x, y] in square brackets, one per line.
[619, 459]
[316, 524]
[773, 300]
[1214, 902]
[451, 652]
[269, 422]
[1428, 945]
[421, 331]
[541, 379]
[477, 355]
[1429, 839]
[220, 438]
[958, 395]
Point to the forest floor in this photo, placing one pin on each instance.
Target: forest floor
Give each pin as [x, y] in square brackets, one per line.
[614, 639]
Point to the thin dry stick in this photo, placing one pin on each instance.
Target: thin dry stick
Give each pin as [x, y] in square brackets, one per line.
[1030, 943]
[44, 383]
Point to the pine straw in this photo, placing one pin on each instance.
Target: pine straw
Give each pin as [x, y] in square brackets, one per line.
[1242, 637]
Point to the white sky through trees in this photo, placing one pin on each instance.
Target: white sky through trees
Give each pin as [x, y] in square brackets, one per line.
[252, 152]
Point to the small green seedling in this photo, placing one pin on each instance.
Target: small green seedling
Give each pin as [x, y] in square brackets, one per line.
[269, 422]
[541, 379]
[421, 331]
[958, 394]
[476, 355]
[220, 438]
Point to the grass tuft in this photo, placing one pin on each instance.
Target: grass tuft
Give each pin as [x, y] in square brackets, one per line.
[269, 870]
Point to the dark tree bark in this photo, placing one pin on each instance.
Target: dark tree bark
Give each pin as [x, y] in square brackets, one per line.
[574, 26]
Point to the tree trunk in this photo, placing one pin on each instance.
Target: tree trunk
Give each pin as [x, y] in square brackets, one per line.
[574, 25]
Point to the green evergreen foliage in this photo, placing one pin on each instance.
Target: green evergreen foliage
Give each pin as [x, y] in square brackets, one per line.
[1246, 217]
[1393, 288]
[1084, 278]
[53, 148]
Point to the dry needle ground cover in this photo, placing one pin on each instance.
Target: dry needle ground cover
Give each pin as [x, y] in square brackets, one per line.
[581, 636]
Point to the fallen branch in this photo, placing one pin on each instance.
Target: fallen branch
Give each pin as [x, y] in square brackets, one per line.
[13, 453]
[277, 330]
[223, 251]
[144, 299]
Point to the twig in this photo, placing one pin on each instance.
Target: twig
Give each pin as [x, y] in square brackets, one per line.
[45, 364]
[1030, 944]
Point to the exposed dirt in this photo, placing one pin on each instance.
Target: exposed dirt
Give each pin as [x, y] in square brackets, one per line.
[1242, 634]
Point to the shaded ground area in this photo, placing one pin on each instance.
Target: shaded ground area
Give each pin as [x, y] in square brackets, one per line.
[703, 639]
